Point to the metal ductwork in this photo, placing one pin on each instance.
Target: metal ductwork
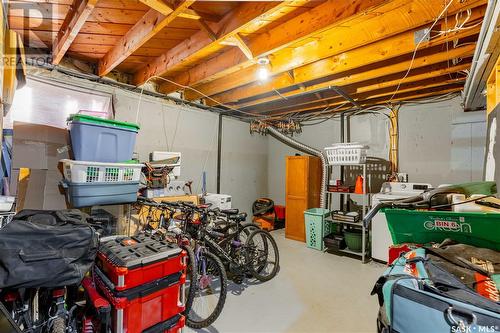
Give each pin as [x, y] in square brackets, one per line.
[308, 150]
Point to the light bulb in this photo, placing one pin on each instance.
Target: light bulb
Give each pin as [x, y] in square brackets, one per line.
[262, 73]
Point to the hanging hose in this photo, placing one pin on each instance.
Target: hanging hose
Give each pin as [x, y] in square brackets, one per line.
[308, 150]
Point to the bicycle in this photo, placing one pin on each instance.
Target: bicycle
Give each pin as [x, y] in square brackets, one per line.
[206, 283]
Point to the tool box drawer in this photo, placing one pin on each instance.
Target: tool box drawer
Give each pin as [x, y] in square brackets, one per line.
[146, 306]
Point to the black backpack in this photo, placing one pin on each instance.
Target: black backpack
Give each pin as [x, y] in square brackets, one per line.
[46, 249]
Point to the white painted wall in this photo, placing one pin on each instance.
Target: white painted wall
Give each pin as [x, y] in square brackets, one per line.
[439, 143]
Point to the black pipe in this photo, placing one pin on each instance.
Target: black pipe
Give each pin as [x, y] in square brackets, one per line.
[219, 152]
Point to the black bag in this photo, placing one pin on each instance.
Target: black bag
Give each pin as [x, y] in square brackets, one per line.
[46, 249]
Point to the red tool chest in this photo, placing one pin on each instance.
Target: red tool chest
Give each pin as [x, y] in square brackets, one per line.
[132, 261]
[143, 278]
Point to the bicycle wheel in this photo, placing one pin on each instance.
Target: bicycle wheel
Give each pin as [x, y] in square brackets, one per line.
[191, 275]
[211, 290]
[262, 255]
[246, 230]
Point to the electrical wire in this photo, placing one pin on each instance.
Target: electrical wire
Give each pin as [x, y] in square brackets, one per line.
[417, 46]
[195, 90]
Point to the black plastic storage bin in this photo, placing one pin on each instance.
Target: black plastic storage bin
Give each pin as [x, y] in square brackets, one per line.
[334, 241]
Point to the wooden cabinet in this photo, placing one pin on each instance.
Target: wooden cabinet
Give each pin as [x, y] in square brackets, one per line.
[303, 183]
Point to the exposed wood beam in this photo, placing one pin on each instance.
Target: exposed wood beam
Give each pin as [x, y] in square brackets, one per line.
[151, 23]
[237, 41]
[385, 49]
[401, 96]
[75, 19]
[368, 25]
[158, 5]
[370, 93]
[246, 16]
[334, 53]
[367, 86]
[197, 15]
[208, 30]
[298, 29]
[430, 57]
[165, 9]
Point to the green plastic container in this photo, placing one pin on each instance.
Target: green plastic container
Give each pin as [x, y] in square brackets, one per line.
[103, 122]
[477, 229]
[316, 227]
[353, 239]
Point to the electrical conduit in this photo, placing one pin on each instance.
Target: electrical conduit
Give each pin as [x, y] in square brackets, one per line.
[308, 150]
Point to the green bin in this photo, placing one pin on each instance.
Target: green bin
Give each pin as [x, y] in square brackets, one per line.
[412, 226]
[316, 227]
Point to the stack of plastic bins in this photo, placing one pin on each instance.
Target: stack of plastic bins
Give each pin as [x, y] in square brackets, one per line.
[143, 279]
[100, 175]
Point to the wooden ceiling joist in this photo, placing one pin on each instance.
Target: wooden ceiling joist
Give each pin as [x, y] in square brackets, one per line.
[364, 74]
[376, 52]
[151, 23]
[203, 44]
[407, 85]
[384, 100]
[300, 28]
[74, 21]
[392, 19]
[401, 64]
[368, 86]
[335, 52]
[166, 9]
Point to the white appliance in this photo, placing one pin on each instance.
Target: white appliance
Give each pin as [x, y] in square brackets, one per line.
[165, 155]
[221, 201]
[381, 238]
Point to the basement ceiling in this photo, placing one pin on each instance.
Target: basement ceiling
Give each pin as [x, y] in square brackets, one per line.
[319, 54]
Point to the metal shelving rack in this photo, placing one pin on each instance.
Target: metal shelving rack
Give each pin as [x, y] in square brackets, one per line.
[365, 204]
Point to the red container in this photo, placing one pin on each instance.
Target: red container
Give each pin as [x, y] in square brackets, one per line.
[129, 262]
[279, 211]
[147, 307]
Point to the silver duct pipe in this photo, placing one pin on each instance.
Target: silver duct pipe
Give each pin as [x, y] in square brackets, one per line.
[308, 150]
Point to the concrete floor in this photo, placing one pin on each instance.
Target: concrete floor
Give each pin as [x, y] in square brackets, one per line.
[313, 292]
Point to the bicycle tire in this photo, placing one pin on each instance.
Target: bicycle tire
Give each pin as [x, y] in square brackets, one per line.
[198, 324]
[191, 275]
[257, 270]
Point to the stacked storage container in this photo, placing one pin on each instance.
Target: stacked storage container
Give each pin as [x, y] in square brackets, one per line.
[100, 173]
[143, 279]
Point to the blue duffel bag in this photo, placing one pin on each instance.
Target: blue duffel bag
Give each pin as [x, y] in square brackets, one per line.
[419, 293]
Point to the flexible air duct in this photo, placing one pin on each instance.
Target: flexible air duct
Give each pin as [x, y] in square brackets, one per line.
[308, 150]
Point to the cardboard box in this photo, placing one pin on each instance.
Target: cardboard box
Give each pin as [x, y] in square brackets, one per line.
[39, 149]
[39, 146]
[43, 191]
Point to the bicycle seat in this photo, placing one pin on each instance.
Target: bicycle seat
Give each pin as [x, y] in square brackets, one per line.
[239, 217]
[232, 211]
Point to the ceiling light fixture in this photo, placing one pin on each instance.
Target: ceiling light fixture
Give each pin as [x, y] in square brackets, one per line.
[263, 71]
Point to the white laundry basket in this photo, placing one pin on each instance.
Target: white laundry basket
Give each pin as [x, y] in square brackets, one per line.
[346, 153]
[97, 172]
